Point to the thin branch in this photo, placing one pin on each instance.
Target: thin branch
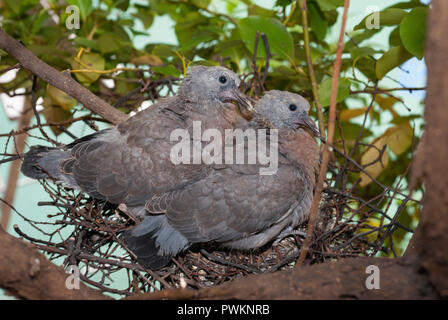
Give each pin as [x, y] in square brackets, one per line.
[268, 57]
[309, 62]
[14, 169]
[16, 66]
[57, 79]
[326, 151]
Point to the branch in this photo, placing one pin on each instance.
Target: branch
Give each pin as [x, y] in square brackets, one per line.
[326, 151]
[309, 62]
[14, 169]
[27, 274]
[432, 232]
[57, 79]
[345, 279]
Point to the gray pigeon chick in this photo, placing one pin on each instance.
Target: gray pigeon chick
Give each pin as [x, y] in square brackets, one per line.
[131, 161]
[234, 205]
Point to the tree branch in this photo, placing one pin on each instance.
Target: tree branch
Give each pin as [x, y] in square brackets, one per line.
[432, 232]
[27, 274]
[14, 169]
[345, 279]
[57, 79]
[328, 143]
[309, 62]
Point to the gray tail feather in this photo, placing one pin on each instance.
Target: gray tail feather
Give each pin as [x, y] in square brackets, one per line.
[154, 242]
[42, 162]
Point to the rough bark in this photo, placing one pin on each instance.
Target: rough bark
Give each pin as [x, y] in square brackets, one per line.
[57, 79]
[346, 279]
[27, 274]
[433, 228]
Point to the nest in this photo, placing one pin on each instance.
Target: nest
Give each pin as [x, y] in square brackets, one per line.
[86, 233]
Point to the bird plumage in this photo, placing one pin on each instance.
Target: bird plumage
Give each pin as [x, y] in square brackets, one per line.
[130, 162]
[233, 204]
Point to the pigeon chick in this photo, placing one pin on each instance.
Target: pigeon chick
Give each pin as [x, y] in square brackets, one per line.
[130, 162]
[233, 205]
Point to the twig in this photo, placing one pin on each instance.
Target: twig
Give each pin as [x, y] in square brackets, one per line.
[14, 169]
[16, 66]
[36, 114]
[309, 62]
[268, 57]
[254, 63]
[228, 263]
[326, 151]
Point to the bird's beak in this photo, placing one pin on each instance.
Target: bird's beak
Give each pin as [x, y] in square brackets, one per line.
[305, 121]
[243, 101]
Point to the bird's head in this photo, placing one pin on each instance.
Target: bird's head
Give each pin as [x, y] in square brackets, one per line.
[216, 85]
[285, 110]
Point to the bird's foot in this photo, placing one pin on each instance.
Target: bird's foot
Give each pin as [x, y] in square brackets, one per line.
[287, 233]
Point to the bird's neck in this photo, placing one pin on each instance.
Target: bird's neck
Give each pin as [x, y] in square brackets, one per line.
[302, 148]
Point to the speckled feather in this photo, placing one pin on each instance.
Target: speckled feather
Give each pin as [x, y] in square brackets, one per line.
[236, 206]
[130, 162]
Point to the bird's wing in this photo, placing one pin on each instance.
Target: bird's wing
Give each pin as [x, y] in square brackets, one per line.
[229, 204]
[129, 163]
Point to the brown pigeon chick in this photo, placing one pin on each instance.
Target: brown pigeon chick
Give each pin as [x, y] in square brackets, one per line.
[234, 205]
[130, 162]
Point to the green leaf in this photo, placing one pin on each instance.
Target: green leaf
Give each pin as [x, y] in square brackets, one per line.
[231, 5]
[86, 43]
[399, 138]
[39, 21]
[254, 10]
[53, 113]
[394, 38]
[317, 21]
[371, 162]
[350, 132]
[163, 51]
[361, 52]
[348, 114]
[143, 58]
[359, 36]
[201, 3]
[60, 98]
[326, 5]
[14, 5]
[209, 63]
[413, 31]
[325, 90]
[363, 60]
[284, 71]
[391, 59]
[403, 119]
[408, 4]
[280, 41]
[167, 70]
[370, 224]
[146, 16]
[192, 43]
[388, 17]
[108, 43]
[91, 61]
[122, 4]
[85, 7]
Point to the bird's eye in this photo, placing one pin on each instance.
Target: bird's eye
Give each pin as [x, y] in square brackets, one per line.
[222, 79]
[292, 107]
